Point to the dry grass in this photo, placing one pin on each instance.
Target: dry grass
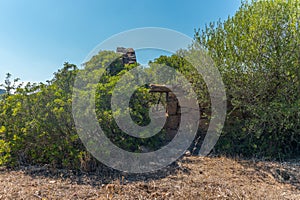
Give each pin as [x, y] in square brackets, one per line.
[190, 178]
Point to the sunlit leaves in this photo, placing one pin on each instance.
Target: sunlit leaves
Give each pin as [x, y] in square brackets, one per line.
[257, 52]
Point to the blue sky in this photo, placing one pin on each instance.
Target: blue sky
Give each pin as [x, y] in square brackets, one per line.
[37, 37]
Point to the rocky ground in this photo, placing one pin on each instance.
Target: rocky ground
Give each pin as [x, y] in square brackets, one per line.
[190, 178]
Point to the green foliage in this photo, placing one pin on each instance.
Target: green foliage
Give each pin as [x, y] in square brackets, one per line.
[139, 105]
[179, 62]
[257, 52]
[37, 125]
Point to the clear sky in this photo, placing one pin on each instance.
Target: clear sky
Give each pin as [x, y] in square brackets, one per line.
[38, 36]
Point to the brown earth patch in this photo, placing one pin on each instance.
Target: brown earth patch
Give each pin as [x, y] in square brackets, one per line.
[190, 178]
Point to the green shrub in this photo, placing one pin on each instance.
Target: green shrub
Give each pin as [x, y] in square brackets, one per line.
[257, 52]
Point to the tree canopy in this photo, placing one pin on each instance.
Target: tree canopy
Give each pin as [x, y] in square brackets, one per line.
[257, 52]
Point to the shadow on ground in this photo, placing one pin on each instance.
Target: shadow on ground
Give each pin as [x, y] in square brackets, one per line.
[102, 175]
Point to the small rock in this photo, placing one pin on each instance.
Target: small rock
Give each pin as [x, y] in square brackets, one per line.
[187, 153]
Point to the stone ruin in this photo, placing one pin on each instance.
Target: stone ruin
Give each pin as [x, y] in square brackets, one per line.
[128, 55]
[172, 109]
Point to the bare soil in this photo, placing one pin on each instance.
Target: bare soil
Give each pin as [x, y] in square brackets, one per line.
[190, 178]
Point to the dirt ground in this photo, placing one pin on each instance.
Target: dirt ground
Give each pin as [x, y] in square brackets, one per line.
[190, 178]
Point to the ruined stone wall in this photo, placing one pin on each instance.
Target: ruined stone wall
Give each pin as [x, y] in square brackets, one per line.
[128, 55]
[173, 116]
[173, 112]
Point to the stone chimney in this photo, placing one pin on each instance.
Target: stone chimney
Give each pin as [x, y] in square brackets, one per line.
[128, 55]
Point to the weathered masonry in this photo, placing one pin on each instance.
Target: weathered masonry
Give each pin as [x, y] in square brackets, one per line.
[128, 55]
[172, 109]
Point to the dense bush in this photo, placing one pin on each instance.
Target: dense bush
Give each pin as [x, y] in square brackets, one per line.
[37, 125]
[36, 122]
[257, 51]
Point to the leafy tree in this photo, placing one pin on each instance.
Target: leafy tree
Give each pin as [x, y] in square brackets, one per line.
[36, 122]
[257, 51]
